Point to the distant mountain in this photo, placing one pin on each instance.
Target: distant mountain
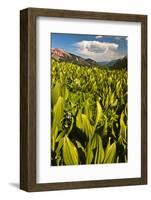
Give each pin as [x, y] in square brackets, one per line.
[91, 62]
[111, 63]
[115, 64]
[103, 63]
[61, 55]
[119, 63]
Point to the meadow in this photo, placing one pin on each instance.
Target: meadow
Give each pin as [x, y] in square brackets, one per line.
[88, 114]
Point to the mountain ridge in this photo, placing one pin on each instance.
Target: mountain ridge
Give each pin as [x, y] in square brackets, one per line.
[62, 55]
[115, 64]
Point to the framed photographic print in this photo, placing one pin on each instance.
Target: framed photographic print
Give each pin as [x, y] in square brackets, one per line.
[83, 92]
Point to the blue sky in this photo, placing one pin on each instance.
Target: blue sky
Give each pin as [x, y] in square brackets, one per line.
[97, 47]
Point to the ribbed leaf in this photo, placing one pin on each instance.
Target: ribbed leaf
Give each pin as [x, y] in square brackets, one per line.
[53, 137]
[58, 111]
[122, 126]
[89, 154]
[99, 113]
[83, 123]
[56, 92]
[110, 153]
[86, 126]
[58, 152]
[99, 155]
[70, 153]
[79, 120]
[94, 142]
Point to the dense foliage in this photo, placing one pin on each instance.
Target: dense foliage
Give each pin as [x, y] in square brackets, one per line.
[89, 114]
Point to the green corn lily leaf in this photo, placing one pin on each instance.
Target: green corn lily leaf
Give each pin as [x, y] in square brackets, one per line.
[99, 113]
[79, 145]
[71, 126]
[110, 153]
[53, 138]
[105, 127]
[113, 132]
[70, 153]
[107, 101]
[79, 122]
[120, 139]
[99, 155]
[113, 104]
[58, 160]
[94, 142]
[60, 145]
[125, 158]
[83, 123]
[56, 92]
[112, 99]
[60, 136]
[122, 126]
[58, 112]
[86, 126]
[86, 108]
[65, 92]
[89, 154]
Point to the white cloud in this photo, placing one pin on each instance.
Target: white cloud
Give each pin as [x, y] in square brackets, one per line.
[99, 51]
[96, 46]
[98, 36]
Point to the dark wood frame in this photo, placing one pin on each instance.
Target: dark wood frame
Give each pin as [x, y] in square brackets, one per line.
[28, 98]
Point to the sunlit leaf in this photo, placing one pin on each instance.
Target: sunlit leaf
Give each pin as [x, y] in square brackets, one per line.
[60, 136]
[113, 104]
[56, 92]
[99, 113]
[70, 153]
[83, 123]
[105, 127]
[99, 155]
[89, 154]
[110, 153]
[58, 111]
[65, 92]
[123, 126]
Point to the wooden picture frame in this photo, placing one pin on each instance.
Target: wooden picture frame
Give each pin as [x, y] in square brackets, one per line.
[28, 98]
